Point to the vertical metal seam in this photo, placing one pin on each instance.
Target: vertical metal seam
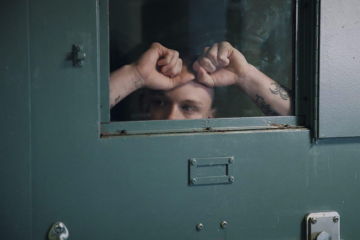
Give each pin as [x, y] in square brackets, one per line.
[97, 2]
[317, 70]
[30, 122]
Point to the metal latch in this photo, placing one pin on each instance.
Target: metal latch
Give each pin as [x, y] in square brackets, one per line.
[323, 226]
[78, 55]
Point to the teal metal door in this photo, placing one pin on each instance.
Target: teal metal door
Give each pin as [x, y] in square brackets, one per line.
[56, 166]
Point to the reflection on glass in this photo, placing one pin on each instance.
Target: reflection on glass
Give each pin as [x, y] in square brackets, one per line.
[200, 59]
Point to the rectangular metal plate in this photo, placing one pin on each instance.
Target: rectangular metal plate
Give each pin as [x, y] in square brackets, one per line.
[211, 170]
[323, 225]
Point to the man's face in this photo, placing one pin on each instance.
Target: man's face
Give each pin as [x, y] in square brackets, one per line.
[189, 101]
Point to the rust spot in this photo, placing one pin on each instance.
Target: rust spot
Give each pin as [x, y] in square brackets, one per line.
[208, 129]
[281, 126]
[121, 132]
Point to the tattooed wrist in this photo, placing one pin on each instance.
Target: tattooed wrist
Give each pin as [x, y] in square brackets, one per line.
[137, 78]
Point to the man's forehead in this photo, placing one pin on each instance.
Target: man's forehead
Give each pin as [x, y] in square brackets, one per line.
[191, 91]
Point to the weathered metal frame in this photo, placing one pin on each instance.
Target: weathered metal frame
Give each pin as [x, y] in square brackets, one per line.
[307, 67]
[306, 60]
[104, 61]
[200, 125]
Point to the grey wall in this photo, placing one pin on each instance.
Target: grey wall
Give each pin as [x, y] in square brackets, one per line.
[339, 68]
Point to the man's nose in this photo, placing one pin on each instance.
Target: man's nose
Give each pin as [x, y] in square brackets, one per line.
[175, 113]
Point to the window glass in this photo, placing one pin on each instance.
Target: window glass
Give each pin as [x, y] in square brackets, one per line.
[250, 58]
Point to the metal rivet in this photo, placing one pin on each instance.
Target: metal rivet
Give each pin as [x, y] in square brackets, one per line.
[223, 224]
[193, 180]
[231, 160]
[59, 228]
[193, 161]
[231, 179]
[199, 226]
[313, 220]
[79, 64]
[336, 219]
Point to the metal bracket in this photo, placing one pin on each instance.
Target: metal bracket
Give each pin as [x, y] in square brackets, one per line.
[78, 55]
[58, 231]
[323, 226]
[211, 170]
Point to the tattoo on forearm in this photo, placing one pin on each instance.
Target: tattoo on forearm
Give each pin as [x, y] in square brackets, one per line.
[265, 108]
[137, 84]
[117, 99]
[277, 89]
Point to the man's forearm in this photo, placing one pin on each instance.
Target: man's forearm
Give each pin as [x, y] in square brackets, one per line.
[268, 95]
[123, 82]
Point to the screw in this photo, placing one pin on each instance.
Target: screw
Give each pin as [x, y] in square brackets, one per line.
[313, 220]
[199, 226]
[336, 219]
[77, 48]
[193, 161]
[231, 179]
[231, 160]
[193, 180]
[59, 228]
[78, 64]
[223, 224]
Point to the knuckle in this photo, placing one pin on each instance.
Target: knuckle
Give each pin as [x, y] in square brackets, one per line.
[222, 58]
[211, 55]
[155, 44]
[204, 61]
[171, 72]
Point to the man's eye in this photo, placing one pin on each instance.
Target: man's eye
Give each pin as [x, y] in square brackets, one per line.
[188, 108]
[158, 102]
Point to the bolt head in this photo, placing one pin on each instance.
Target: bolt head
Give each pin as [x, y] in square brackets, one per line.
[59, 228]
[199, 226]
[193, 180]
[231, 160]
[231, 179]
[223, 224]
[193, 161]
[313, 220]
[336, 219]
[77, 48]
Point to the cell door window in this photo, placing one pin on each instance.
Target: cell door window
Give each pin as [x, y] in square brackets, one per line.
[175, 60]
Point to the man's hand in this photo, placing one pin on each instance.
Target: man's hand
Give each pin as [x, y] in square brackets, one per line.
[159, 68]
[221, 65]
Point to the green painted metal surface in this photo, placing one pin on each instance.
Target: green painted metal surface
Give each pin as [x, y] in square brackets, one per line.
[137, 187]
[15, 174]
[55, 167]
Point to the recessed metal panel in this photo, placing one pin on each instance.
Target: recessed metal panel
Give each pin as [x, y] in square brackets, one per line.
[211, 170]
